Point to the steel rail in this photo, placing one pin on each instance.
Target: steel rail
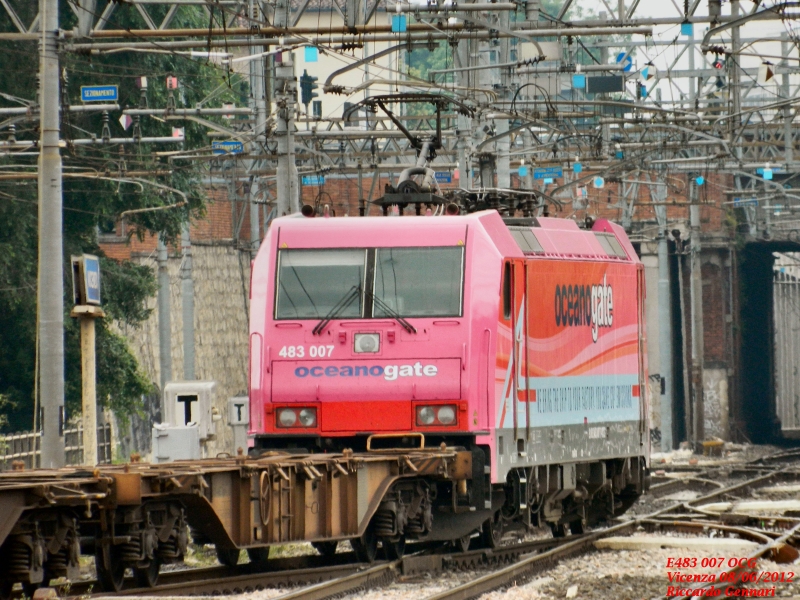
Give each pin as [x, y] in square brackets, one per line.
[525, 567]
[240, 583]
[364, 580]
[181, 577]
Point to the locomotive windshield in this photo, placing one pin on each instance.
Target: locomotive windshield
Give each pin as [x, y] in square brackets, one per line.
[312, 282]
[405, 282]
[419, 282]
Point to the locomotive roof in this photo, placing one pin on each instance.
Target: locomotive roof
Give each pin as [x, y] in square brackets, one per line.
[542, 237]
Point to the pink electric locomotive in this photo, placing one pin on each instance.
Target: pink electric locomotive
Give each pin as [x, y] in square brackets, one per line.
[522, 341]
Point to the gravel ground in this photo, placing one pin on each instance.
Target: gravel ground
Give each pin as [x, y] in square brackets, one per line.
[627, 575]
[419, 587]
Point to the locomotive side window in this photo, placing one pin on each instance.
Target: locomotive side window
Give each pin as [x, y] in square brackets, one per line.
[419, 282]
[312, 282]
[507, 291]
[611, 245]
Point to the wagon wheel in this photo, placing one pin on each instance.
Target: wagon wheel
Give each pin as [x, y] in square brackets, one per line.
[265, 497]
[258, 555]
[110, 576]
[147, 576]
[228, 556]
[394, 549]
[366, 546]
[559, 529]
[6, 586]
[326, 549]
[492, 531]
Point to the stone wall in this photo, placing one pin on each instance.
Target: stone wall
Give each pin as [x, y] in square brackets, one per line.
[221, 275]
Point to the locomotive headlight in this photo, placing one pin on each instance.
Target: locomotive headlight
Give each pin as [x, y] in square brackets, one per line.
[425, 416]
[366, 342]
[308, 417]
[287, 417]
[446, 415]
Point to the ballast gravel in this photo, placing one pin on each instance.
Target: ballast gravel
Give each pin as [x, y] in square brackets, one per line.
[631, 575]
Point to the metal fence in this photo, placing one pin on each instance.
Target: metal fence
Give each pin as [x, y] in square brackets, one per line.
[26, 447]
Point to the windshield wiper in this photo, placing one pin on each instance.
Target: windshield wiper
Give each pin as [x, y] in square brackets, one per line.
[390, 312]
[337, 309]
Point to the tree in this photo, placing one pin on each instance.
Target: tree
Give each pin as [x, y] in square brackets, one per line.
[90, 203]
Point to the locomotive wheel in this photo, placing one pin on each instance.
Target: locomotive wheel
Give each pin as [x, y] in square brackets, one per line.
[147, 576]
[110, 576]
[394, 550]
[228, 556]
[492, 531]
[258, 555]
[366, 547]
[326, 549]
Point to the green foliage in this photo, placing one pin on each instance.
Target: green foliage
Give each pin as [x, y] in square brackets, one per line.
[124, 183]
[421, 61]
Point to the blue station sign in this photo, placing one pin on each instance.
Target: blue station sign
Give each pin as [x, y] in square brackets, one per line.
[227, 147]
[444, 177]
[86, 280]
[99, 93]
[548, 173]
[313, 179]
[91, 275]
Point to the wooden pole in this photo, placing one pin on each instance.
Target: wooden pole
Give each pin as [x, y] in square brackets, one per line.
[87, 315]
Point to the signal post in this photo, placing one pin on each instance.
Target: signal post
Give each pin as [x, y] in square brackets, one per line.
[86, 292]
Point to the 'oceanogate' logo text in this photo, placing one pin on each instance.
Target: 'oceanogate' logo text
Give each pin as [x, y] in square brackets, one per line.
[583, 305]
[388, 372]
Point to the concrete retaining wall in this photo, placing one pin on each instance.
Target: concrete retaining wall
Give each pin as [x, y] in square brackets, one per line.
[221, 275]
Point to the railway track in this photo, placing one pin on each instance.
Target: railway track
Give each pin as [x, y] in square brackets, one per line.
[518, 563]
[524, 569]
[347, 575]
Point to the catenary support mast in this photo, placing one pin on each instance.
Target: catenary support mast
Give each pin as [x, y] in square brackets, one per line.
[50, 290]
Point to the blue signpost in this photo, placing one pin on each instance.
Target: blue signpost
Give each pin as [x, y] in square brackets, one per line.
[444, 177]
[91, 275]
[624, 58]
[548, 173]
[99, 93]
[313, 179]
[227, 147]
[741, 202]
